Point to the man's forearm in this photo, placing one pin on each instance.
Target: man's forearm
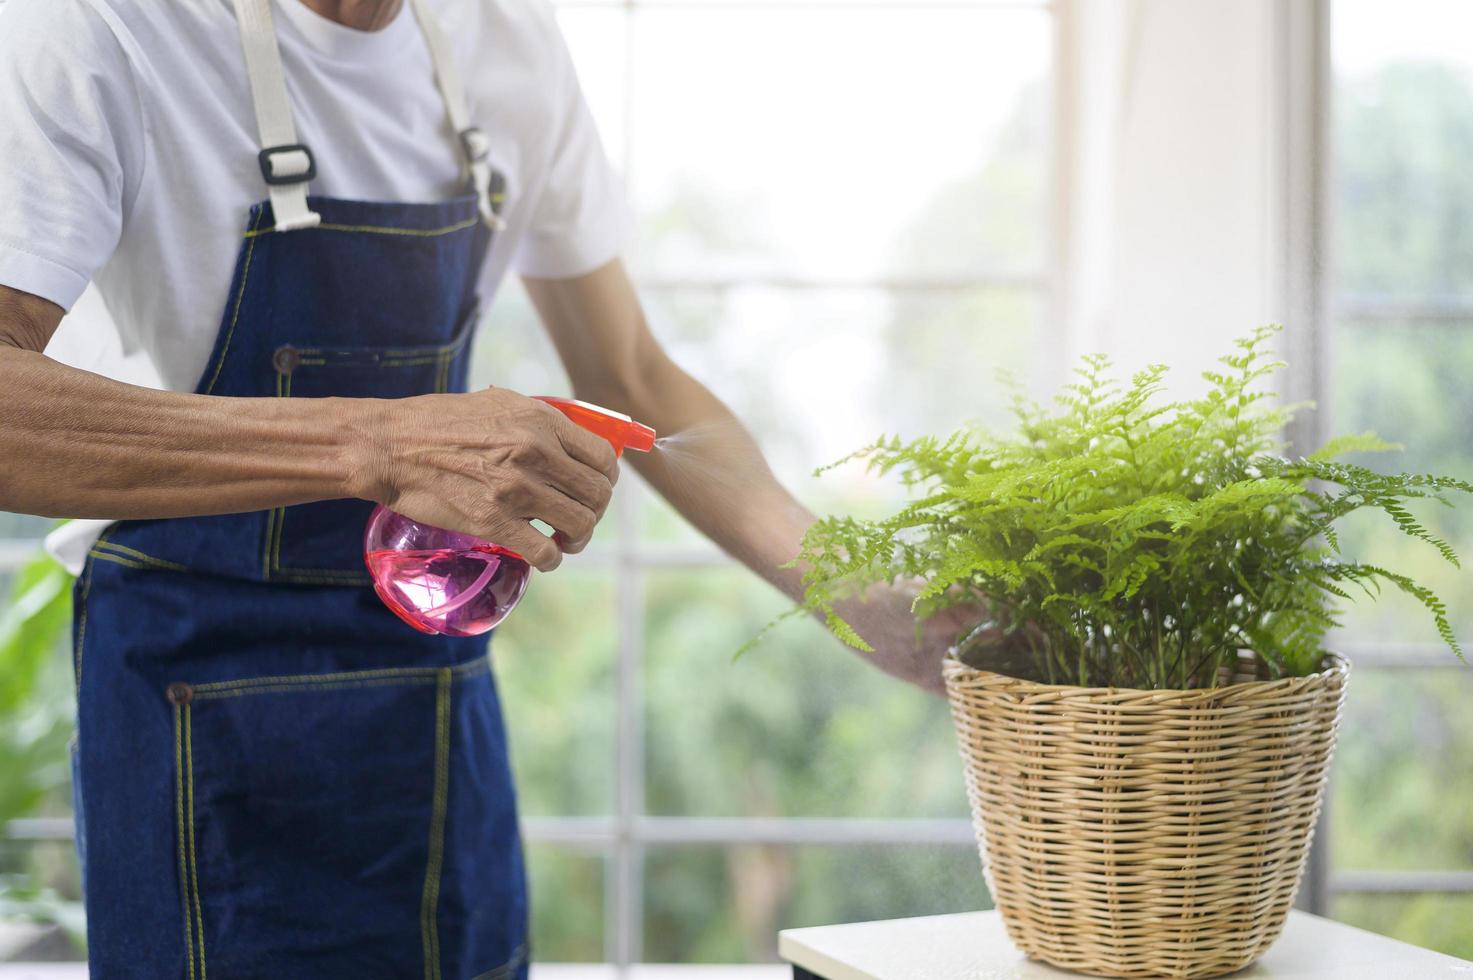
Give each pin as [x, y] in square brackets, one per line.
[75, 444]
[714, 474]
[710, 469]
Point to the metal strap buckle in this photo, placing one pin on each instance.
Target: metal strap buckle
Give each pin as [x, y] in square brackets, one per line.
[476, 145]
[268, 165]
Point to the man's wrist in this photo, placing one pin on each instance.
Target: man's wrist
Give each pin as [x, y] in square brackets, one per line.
[362, 431]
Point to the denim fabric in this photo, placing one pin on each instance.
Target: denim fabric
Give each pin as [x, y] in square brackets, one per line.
[379, 301]
[276, 777]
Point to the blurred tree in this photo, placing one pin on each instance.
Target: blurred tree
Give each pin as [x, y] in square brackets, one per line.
[1404, 210]
[1404, 236]
[36, 720]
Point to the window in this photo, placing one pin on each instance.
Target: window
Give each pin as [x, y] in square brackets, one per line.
[843, 230]
[845, 212]
[1401, 333]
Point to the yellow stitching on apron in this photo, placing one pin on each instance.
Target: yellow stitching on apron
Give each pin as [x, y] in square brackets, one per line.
[199, 918]
[325, 576]
[266, 546]
[383, 230]
[324, 354]
[314, 576]
[252, 690]
[179, 827]
[322, 576]
[276, 541]
[142, 562]
[137, 555]
[518, 955]
[427, 350]
[239, 295]
[122, 548]
[429, 905]
[310, 576]
[242, 692]
[118, 560]
[429, 673]
[82, 625]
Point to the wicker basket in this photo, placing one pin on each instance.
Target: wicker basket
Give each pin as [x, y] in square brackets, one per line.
[1130, 833]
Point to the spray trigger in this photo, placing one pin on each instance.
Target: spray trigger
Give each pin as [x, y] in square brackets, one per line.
[621, 431]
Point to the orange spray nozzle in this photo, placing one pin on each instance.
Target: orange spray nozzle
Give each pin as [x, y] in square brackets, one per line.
[621, 431]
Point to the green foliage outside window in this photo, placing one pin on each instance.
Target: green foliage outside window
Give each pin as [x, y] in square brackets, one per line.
[35, 724]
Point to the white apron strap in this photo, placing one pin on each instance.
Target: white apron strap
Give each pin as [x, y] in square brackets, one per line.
[475, 148]
[286, 165]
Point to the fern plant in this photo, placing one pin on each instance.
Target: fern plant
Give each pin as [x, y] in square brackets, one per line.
[1125, 540]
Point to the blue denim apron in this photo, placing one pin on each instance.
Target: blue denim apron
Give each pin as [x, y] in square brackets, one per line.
[276, 777]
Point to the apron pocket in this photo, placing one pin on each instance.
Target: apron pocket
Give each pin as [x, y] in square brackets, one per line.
[378, 371]
[312, 813]
[322, 542]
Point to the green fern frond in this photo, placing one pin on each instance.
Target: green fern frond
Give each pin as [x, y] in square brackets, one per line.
[1429, 600]
[845, 632]
[1131, 533]
[1366, 442]
[1413, 529]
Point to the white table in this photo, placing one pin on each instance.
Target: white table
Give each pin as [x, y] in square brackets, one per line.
[973, 946]
[540, 971]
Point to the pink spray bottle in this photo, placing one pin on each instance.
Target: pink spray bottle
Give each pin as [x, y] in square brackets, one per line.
[441, 581]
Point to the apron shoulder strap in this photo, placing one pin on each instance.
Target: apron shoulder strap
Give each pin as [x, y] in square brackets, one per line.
[287, 165]
[475, 148]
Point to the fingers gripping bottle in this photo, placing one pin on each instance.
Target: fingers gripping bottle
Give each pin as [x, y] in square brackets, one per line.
[441, 581]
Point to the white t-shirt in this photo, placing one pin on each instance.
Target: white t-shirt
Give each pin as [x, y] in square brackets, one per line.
[129, 153]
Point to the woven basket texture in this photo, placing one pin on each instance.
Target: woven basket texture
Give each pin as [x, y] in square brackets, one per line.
[1133, 833]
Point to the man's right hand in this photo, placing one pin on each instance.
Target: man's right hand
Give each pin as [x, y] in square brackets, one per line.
[487, 463]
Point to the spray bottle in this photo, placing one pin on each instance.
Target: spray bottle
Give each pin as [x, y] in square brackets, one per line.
[441, 581]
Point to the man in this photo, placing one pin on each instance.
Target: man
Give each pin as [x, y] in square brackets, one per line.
[275, 778]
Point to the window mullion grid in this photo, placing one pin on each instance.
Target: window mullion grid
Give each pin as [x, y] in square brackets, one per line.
[625, 915]
[1361, 311]
[631, 830]
[716, 283]
[624, 892]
